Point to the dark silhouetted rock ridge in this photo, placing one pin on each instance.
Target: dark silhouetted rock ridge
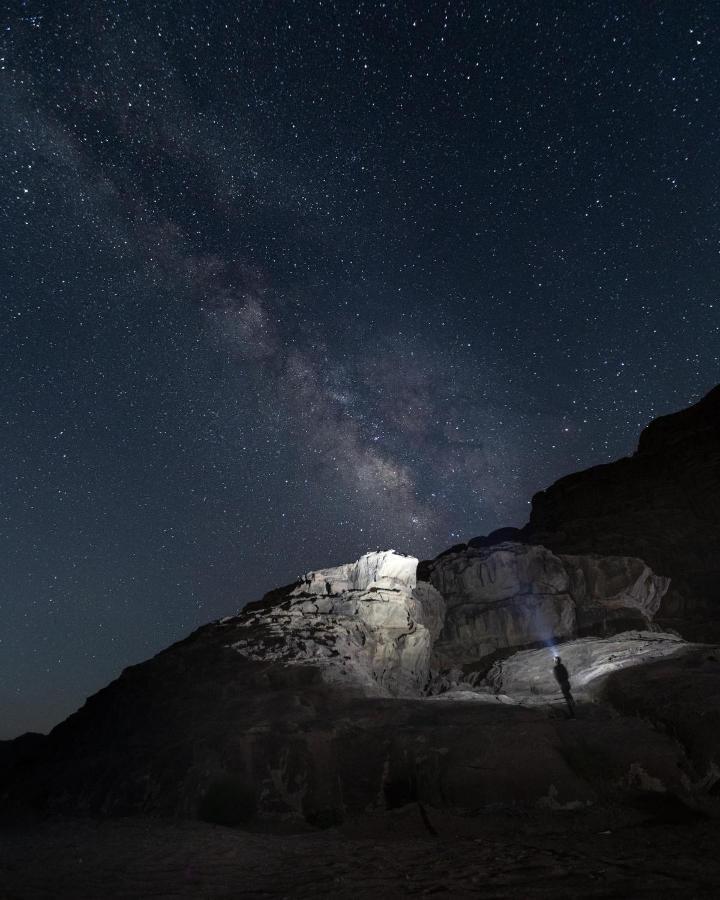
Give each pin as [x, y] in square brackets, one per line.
[662, 505]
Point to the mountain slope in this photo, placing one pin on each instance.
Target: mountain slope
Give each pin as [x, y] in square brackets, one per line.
[662, 505]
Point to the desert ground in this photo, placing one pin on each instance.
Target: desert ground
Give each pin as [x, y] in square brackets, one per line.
[659, 851]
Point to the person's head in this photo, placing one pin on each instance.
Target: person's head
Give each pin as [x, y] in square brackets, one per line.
[557, 660]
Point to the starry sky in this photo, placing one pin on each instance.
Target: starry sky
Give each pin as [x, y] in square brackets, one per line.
[285, 282]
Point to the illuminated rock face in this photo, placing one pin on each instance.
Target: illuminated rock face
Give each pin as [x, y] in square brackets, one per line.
[588, 660]
[367, 625]
[371, 626]
[384, 569]
[514, 595]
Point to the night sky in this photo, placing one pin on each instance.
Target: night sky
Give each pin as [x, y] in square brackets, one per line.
[286, 281]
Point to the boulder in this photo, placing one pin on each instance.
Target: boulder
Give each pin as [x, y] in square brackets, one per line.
[382, 569]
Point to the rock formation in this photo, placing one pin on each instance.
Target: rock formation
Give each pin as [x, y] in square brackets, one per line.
[516, 595]
[529, 673]
[311, 705]
[367, 625]
[333, 696]
[203, 730]
[661, 505]
[370, 626]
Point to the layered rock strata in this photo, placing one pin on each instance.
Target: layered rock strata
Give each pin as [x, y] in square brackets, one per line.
[515, 595]
[366, 625]
[529, 673]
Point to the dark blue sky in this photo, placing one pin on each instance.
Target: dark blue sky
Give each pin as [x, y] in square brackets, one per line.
[283, 282]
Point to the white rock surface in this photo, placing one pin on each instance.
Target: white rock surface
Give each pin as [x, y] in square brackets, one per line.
[366, 624]
[512, 595]
[370, 625]
[384, 568]
[529, 673]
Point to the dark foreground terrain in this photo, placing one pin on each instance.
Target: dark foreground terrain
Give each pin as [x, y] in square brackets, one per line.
[658, 852]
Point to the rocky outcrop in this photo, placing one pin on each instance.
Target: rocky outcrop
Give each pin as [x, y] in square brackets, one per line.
[678, 694]
[309, 705]
[366, 625]
[382, 569]
[529, 673]
[611, 593]
[312, 705]
[515, 595]
[202, 730]
[661, 505]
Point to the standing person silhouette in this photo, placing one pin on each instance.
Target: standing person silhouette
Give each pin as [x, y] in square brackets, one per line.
[563, 679]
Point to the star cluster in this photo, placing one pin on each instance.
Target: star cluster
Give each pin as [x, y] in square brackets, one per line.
[283, 282]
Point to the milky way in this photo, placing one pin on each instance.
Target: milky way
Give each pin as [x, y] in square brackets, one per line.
[286, 282]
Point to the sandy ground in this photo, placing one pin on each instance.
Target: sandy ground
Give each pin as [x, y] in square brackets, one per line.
[561, 855]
